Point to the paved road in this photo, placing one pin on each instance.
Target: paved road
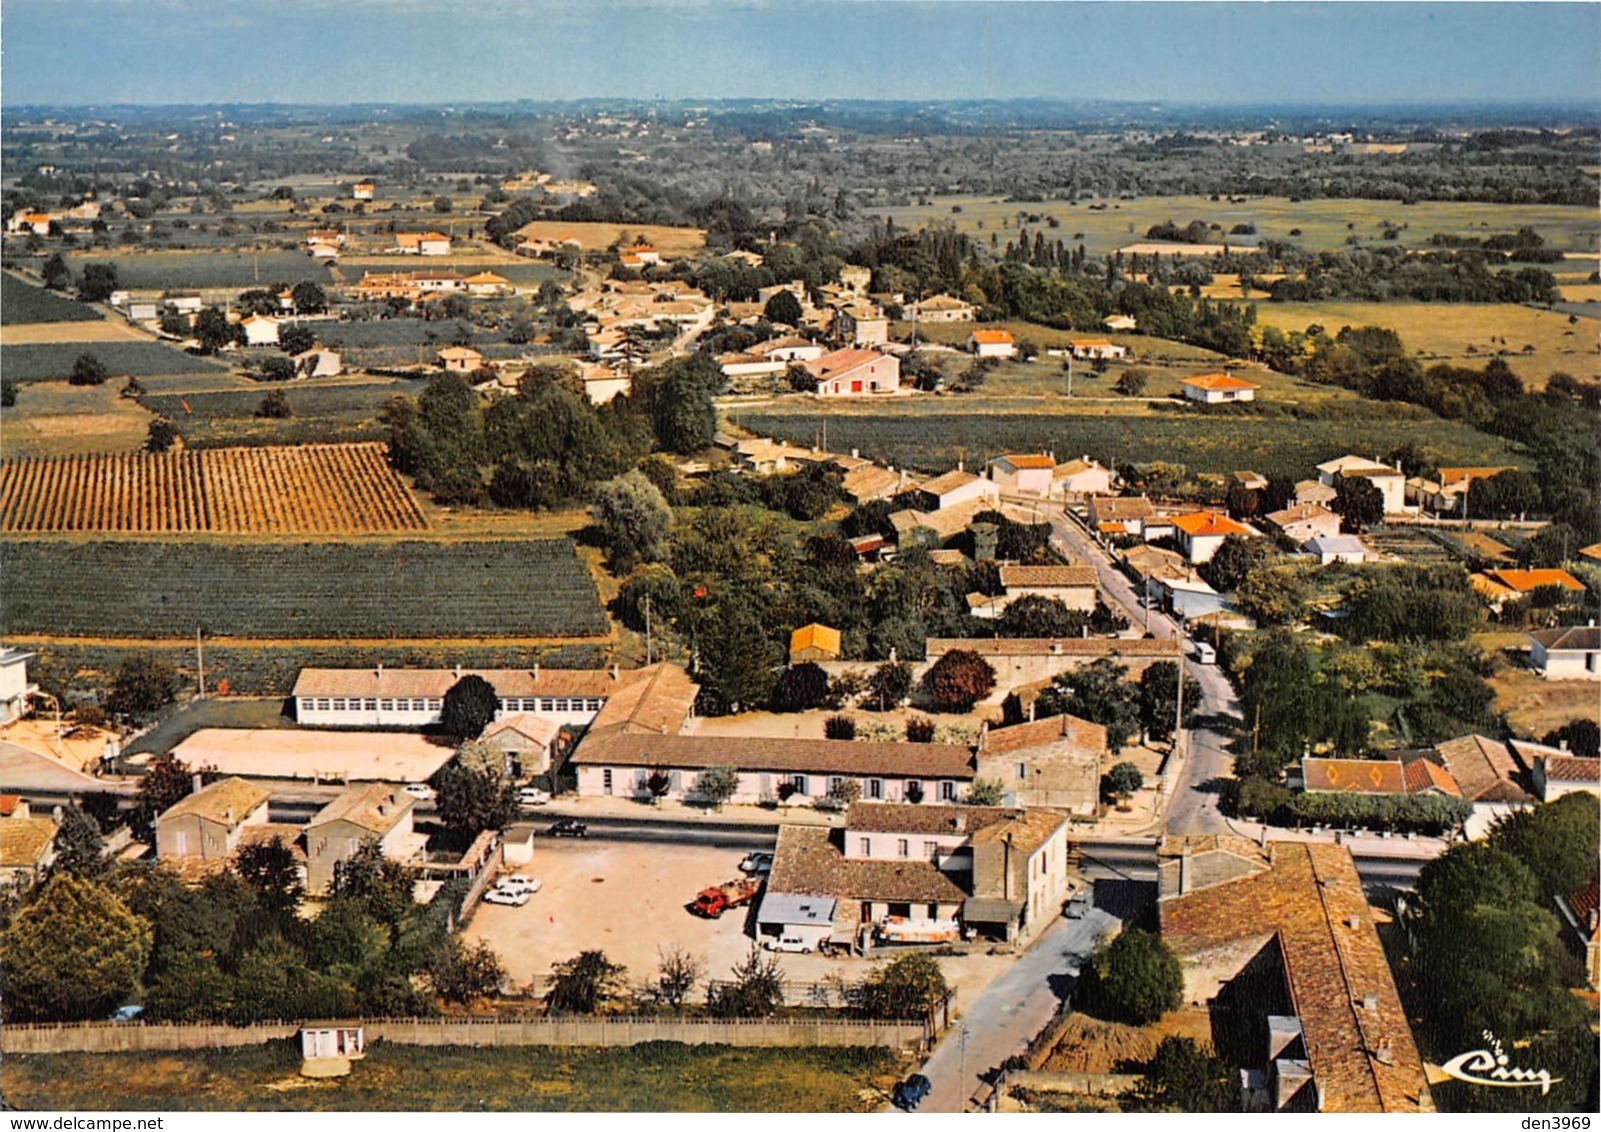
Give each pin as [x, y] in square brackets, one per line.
[1192, 808]
[1007, 1013]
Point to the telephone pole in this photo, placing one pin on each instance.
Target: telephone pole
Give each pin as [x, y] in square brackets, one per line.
[200, 662]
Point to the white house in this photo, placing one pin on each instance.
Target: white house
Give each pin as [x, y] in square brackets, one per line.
[1218, 389]
[1202, 532]
[1073, 586]
[1081, 477]
[602, 382]
[1024, 474]
[1338, 548]
[1300, 522]
[260, 330]
[488, 285]
[861, 324]
[956, 487]
[1572, 652]
[373, 811]
[363, 190]
[210, 822]
[14, 686]
[1120, 322]
[992, 344]
[414, 697]
[1558, 773]
[1097, 349]
[1390, 481]
[940, 308]
[319, 362]
[460, 359]
[855, 373]
[789, 348]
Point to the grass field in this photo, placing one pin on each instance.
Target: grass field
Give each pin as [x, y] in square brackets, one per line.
[931, 435]
[653, 1077]
[521, 271]
[323, 413]
[1461, 332]
[593, 236]
[22, 302]
[215, 269]
[332, 590]
[394, 332]
[122, 359]
[1323, 223]
[53, 418]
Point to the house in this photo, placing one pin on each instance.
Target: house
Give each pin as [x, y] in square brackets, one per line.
[319, 362]
[182, 302]
[1073, 586]
[1311, 491]
[532, 742]
[1581, 926]
[861, 324]
[1053, 762]
[741, 364]
[27, 849]
[210, 822]
[604, 383]
[461, 359]
[325, 236]
[849, 373]
[437, 282]
[1218, 389]
[1301, 522]
[1338, 548]
[1024, 474]
[323, 251]
[1489, 774]
[930, 529]
[1081, 477]
[789, 348]
[1485, 548]
[1202, 532]
[1097, 349]
[14, 686]
[992, 344]
[1558, 773]
[1390, 482]
[260, 330]
[1249, 481]
[1186, 596]
[31, 223]
[376, 812]
[363, 190]
[1527, 581]
[1591, 553]
[1375, 776]
[1120, 322]
[1281, 943]
[1122, 515]
[997, 872]
[939, 308]
[956, 487]
[1569, 653]
[813, 642]
[872, 481]
[488, 285]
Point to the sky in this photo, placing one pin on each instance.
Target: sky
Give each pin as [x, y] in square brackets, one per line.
[83, 52]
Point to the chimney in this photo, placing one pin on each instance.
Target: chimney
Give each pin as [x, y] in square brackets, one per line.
[1562, 745]
[1031, 711]
[1184, 869]
[615, 672]
[380, 670]
[536, 670]
[1354, 922]
[1384, 1054]
[458, 671]
[856, 453]
[195, 783]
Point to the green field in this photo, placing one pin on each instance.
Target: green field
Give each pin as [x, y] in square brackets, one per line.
[1323, 223]
[327, 413]
[931, 436]
[369, 590]
[197, 269]
[652, 1077]
[22, 303]
[123, 359]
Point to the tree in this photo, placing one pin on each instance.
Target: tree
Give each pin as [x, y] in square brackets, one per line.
[844, 793]
[376, 882]
[471, 801]
[784, 308]
[756, 990]
[275, 406]
[1182, 1077]
[213, 331]
[958, 680]
[1158, 696]
[309, 298]
[1233, 561]
[910, 987]
[161, 435]
[296, 339]
[984, 792]
[167, 781]
[1583, 737]
[80, 849]
[1099, 693]
[1358, 503]
[269, 868]
[57, 275]
[1132, 382]
[97, 281]
[1122, 781]
[888, 686]
[462, 974]
[717, 784]
[677, 972]
[88, 370]
[144, 684]
[801, 687]
[742, 676]
[1559, 841]
[633, 518]
[442, 204]
[71, 954]
[469, 706]
[1036, 616]
[589, 983]
[919, 730]
[1273, 596]
[839, 727]
[1134, 979]
[8, 391]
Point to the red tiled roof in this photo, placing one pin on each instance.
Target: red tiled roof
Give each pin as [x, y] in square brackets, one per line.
[1029, 461]
[1048, 577]
[840, 362]
[1203, 524]
[1483, 768]
[1354, 776]
[1525, 580]
[1219, 381]
[762, 753]
[992, 337]
[1042, 732]
[1421, 775]
[1570, 768]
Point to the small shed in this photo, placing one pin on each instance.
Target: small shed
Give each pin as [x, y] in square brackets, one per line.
[348, 1042]
[813, 642]
[517, 843]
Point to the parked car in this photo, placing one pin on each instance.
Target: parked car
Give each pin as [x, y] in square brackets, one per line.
[804, 944]
[506, 896]
[757, 864]
[1205, 653]
[910, 1092]
[532, 796]
[567, 827]
[420, 791]
[1078, 906]
[129, 1013]
[516, 883]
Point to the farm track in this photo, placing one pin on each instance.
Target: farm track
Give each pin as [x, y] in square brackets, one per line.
[327, 489]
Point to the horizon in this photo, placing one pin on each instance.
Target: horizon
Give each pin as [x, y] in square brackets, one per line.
[1193, 54]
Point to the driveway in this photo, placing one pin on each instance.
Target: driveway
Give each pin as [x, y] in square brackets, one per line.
[1006, 1014]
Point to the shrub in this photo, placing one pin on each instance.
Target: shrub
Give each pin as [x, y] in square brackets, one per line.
[839, 727]
[801, 687]
[1134, 979]
[958, 680]
[919, 730]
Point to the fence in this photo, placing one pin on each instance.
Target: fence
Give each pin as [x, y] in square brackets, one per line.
[114, 1037]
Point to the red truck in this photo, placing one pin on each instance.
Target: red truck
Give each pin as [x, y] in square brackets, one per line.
[713, 902]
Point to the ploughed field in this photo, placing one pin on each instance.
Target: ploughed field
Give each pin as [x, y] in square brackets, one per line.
[148, 588]
[314, 489]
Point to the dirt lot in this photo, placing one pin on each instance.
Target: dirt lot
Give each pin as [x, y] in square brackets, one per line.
[627, 899]
[595, 235]
[1535, 706]
[44, 333]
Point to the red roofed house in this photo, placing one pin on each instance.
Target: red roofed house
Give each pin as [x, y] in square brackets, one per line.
[855, 373]
[1097, 348]
[1581, 922]
[1376, 776]
[1218, 389]
[1053, 762]
[1201, 533]
[1527, 581]
[1559, 773]
[992, 344]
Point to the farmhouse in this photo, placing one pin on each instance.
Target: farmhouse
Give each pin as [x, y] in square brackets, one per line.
[992, 344]
[861, 324]
[260, 330]
[940, 308]
[1390, 482]
[1098, 349]
[1569, 653]
[372, 812]
[460, 359]
[1281, 942]
[1081, 477]
[14, 686]
[1218, 389]
[1053, 762]
[210, 822]
[1300, 522]
[1073, 586]
[1024, 475]
[1201, 533]
[813, 642]
[851, 373]
[954, 488]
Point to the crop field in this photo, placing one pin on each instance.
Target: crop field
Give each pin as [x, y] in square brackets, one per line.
[341, 413]
[22, 303]
[52, 418]
[1323, 224]
[1464, 333]
[935, 437]
[595, 235]
[393, 332]
[372, 590]
[315, 489]
[202, 269]
[123, 359]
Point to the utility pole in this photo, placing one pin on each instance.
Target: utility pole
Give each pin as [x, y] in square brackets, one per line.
[647, 630]
[200, 662]
[1178, 721]
[1070, 371]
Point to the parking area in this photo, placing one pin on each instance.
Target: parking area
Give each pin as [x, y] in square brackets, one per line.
[627, 899]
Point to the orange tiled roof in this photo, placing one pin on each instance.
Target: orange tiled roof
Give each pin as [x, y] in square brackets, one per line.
[1029, 461]
[1525, 580]
[814, 636]
[1422, 775]
[1354, 776]
[992, 337]
[1203, 524]
[1219, 381]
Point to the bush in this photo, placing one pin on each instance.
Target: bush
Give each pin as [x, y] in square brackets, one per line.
[919, 730]
[88, 370]
[958, 680]
[802, 687]
[839, 727]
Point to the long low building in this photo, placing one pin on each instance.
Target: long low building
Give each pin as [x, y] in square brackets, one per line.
[319, 756]
[1027, 660]
[414, 697]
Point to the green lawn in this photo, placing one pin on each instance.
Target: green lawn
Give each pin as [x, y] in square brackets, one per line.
[654, 1077]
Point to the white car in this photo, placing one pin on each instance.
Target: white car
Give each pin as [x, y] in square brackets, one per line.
[420, 791]
[532, 796]
[805, 945]
[515, 883]
[506, 896]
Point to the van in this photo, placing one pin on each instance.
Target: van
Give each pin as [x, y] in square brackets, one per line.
[1205, 653]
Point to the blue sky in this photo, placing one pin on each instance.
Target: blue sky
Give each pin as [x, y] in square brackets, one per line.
[72, 52]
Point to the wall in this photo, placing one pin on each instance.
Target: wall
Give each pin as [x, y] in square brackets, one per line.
[111, 1037]
[629, 782]
[370, 712]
